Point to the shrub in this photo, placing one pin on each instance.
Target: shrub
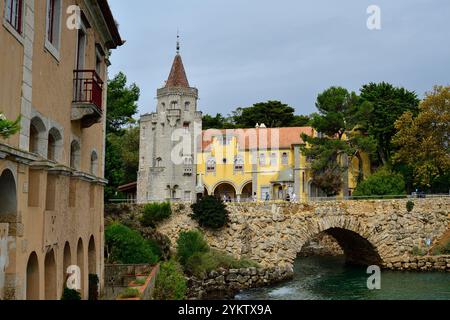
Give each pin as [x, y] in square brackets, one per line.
[410, 206]
[127, 246]
[443, 249]
[201, 263]
[382, 183]
[418, 252]
[155, 213]
[210, 212]
[70, 295]
[171, 283]
[155, 247]
[188, 244]
[130, 293]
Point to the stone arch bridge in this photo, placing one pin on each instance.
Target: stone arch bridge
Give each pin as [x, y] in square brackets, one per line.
[380, 232]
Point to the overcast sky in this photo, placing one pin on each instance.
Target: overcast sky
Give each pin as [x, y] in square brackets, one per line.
[239, 52]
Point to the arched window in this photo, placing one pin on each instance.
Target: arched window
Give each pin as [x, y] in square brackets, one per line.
[75, 155]
[174, 104]
[94, 163]
[211, 165]
[158, 163]
[285, 159]
[239, 163]
[273, 159]
[187, 106]
[188, 160]
[37, 136]
[262, 159]
[54, 145]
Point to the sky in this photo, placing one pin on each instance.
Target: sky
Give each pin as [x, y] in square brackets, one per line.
[240, 52]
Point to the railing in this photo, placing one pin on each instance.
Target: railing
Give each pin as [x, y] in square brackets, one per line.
[174, 112]
[88, 88]
[387, 197]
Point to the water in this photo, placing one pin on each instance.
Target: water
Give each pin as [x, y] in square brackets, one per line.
[328, 278]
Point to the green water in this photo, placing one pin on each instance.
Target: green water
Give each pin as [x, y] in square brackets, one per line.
[328, 278]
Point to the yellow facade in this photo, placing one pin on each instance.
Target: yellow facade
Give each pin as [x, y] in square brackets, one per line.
[234, 170]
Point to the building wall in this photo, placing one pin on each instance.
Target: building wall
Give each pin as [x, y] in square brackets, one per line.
[264, 176]
[57, 207]
[163, 142]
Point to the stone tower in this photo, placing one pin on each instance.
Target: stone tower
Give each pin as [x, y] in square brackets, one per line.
[168, 142]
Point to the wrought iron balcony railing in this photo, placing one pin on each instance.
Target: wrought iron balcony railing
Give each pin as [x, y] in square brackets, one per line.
[88, 88]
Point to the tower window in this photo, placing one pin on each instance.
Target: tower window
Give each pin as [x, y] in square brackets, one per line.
[187, 106]
[186, 127]
[174, 104]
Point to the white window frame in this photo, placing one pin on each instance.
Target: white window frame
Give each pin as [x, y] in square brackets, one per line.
[54, 47]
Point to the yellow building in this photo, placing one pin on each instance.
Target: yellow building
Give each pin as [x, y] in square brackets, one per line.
[54, 56]
[262, 164]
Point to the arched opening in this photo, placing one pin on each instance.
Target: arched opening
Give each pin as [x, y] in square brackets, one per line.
[356, 249]
[246, 194]
[54, 145]
[50, 276]
[75, 155]
[92, 261]
[94, 163]
[33, 277]
[37, 136]
[8, 197]
[67, 260]
[226, 192]
[80, 263]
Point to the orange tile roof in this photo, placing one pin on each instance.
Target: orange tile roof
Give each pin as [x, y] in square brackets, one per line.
[250, 139]
[177, 76]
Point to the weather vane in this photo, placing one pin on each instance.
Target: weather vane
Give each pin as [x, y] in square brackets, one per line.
[178, 41]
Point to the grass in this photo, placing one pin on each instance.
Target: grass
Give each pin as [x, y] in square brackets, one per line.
[130, 293]
[201, 263]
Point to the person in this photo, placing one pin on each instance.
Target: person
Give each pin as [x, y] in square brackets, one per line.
[229, 199]
[294, 197]
[267, 196]
[255, 198]
[225, 198]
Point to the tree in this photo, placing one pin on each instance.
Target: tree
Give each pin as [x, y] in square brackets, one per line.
[122, 144]
[423, 141]
[382, 183]
[340, 139]
[8, 127]
[122, 103]
[217, 122]
[380, 106]
[273, 114]
[122, 159]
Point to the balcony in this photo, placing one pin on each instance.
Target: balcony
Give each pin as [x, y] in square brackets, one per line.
[87, 97]
[173, 115]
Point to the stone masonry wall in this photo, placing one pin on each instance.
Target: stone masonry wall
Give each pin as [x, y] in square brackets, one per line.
[274, 233]
[225, 284]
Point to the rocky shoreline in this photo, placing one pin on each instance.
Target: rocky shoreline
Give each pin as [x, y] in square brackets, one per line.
[225, 284]
[425, 263]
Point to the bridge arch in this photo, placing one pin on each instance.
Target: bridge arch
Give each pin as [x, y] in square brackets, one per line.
[360, 245]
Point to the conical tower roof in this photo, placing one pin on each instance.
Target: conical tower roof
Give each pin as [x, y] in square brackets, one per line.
[177, 76]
